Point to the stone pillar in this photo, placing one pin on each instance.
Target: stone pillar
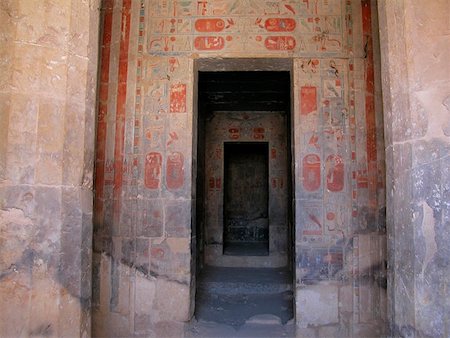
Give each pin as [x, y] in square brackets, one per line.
[48, 74]
[415, 39]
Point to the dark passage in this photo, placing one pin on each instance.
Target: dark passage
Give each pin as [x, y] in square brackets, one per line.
[246, 222]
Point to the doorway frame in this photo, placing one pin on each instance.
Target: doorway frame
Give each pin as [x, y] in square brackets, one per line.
[245, 64]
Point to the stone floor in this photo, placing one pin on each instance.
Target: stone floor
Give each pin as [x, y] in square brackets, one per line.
[258, 327]
[247, 249]
[243, 302]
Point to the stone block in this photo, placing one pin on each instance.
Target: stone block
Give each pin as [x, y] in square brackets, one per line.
[169, 329]
[81, 19]
[278, 210]
[317, 305]
[151, 220]
[49, 168]
[70, 270]
[426, 180]
[367, 305]
[374, 329]
[23, 119]
[127, 254]
[105, 282]
[306, 332]
[44, 311]
[424, 152]
[346, 299]
[5, 107]
[179, 245]
[120, 288]
[331, 331]
[74, 144]
[72, 241]
[116, 325]
[177, 218]
[96, 285]
[71, 309]
[27, 68]
[17, 233]
[142, 259]
[51, 118]
[48, 210]
[15, 290]
[143, 323]
[402, 157]
[21, 164]
[53, 77]
[128, 218]
[170, 258]
[319, 263]
[278, 238]
[76, 74]
[172, 301]
[143, 304]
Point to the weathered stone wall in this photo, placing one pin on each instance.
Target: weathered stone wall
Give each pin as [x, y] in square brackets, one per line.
[146, 160]
[48, 67]
[416, 93]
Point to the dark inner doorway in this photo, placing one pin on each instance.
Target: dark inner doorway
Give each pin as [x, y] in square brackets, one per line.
[246, 211]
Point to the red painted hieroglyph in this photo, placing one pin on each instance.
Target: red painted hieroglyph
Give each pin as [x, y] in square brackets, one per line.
[335, 173]
[209, 25]
[209, 42]
[311, 172]
[313, 220]
[235, 133]
[308, 100]
[280, 43]
[273, 153]
[178, 98]
[258, 133]
[279, 24]
[153, 163]
[175, 170]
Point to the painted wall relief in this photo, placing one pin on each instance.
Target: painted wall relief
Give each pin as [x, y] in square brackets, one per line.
[153, 163]
[311, 170]
[334, 168]
[175, 171]
[178, 98]
[245, 26]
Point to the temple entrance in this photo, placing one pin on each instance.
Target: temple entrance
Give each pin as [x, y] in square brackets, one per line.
[243, 232]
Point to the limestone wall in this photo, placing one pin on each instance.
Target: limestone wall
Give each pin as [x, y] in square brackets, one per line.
[144, 276]
[416, 94]
[48, 67]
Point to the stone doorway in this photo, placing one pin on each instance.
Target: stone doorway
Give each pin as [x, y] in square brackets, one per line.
[246, 199]
[243, 231]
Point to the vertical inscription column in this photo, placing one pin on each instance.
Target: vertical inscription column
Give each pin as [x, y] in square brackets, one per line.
[322, 188]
